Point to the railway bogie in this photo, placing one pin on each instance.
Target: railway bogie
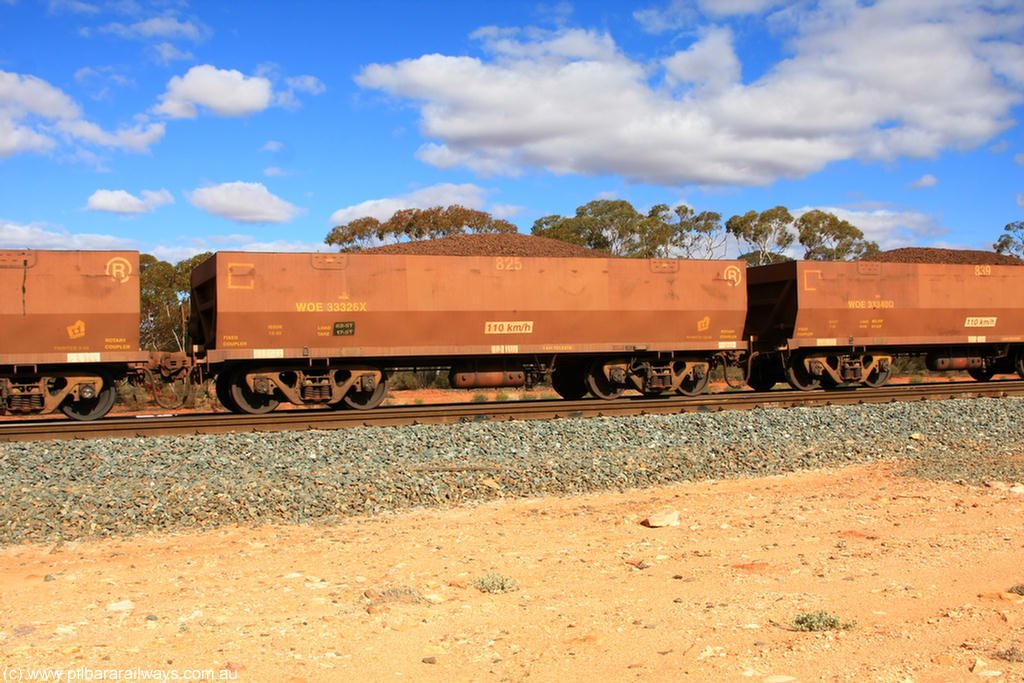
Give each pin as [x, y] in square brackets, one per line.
[830, 368]
[258, 389]
[608, 377]
[80, 393]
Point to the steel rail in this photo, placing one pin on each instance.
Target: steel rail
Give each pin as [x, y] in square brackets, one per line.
[447, 413]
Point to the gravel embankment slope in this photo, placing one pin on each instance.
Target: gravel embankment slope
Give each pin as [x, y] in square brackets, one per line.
[55, 491]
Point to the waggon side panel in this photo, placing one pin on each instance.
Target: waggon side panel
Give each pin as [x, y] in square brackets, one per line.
[895, 304]
[328, 305]
[63, 307]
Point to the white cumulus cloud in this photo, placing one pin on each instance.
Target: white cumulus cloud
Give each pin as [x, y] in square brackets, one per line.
[244, 202]
[36, 116]
[225, 92]
[860, 84]
[681, 14]
[74, 6]
[43, 236]
[158, 27]
[172, 253]
[446, 194]
[711, 62]
[120, 201]
[138, 138]
[927, 180]
[15, 139]
[308, 84]
[167, 53]
[891, 226]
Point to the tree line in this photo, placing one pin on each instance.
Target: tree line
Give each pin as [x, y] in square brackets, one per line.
[615, 227]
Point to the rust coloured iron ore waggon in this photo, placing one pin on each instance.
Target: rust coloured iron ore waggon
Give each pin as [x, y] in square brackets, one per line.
[69, 329]
[328, 329]
[821, 323]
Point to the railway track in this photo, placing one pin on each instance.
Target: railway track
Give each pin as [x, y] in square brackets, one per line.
[291, 420]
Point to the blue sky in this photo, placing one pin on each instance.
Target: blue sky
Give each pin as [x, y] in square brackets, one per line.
[174, 128]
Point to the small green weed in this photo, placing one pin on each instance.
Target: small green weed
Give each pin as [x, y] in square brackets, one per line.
[820, 621]
[1013, 654]
[406, 594]
[1018, 589]
[496, 583]
[479, 398]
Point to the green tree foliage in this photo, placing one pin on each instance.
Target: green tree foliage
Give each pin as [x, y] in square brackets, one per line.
[164, 301]
[609, 225]
[616, 227]
[1011, 242]
[691, 234]
[766, 235]
[826, 237]
[414, 224]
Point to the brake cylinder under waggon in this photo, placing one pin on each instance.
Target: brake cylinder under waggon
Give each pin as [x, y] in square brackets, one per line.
[69, 322]
[328, 328]
[822, 323]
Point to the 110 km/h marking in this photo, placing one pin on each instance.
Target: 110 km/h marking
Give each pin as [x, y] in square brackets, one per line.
[508, 327]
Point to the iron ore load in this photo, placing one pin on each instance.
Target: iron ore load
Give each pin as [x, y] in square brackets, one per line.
[326, 328]
[320, 329]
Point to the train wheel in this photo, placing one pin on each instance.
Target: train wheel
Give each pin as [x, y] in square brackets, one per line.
[366, 400]
[877, 378]
[694, 386]
[246, 399]
[568, 382]
[1018, 362]
[600, 385]
[223, 387]
[799, 378]
[981, 374]
[96, 407]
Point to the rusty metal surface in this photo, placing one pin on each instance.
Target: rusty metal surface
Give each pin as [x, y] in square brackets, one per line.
[61, 307]
[291, 420]
[267, 306]
[825, 303]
